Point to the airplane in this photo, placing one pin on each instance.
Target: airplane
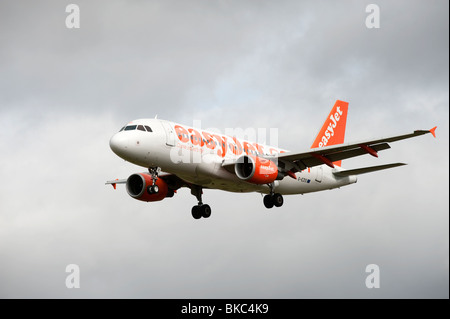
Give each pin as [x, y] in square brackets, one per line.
[177, 155]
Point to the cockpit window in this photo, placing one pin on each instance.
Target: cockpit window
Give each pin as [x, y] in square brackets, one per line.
[122, 129]
[141, 128]
[130, 127]
[148, 128]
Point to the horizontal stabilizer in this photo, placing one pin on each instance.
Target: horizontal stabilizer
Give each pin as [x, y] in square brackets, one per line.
[364, 170]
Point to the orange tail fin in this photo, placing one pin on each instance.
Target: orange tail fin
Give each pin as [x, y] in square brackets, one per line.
[333, 129]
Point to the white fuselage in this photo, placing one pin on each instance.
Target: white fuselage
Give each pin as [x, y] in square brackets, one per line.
[197, 156]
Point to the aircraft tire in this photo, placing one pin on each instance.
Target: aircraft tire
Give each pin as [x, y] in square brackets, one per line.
[196, 212]
[153, 189]
[268, 202]
[206, 211]
[277, 200]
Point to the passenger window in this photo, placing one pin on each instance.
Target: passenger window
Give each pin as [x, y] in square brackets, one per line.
[148, 128]
[141, 128]
[130, 127]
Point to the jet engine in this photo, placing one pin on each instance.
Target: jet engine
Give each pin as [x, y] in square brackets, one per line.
[256, 170]
[140, 186]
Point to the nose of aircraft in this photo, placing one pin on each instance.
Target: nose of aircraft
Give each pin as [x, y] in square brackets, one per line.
[118, 143]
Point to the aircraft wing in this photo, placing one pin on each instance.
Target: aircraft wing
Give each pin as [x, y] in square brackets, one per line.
[115, 182]
[329, 154]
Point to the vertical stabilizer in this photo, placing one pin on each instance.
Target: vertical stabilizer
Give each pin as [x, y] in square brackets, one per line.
[333, 129]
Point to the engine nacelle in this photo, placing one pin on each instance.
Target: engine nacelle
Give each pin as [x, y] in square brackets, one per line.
[257, 170]
[137, 187]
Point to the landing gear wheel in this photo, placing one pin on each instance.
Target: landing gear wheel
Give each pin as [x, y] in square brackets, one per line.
[277, 200]
[153, 189]
[154, 171]
[268, 201]
[206, 211]
[196, 212]
[200, 210]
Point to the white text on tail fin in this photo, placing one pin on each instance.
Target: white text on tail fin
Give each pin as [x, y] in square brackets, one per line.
[333, 129]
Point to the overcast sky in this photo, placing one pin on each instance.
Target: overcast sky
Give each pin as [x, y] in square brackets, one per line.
[271, 64]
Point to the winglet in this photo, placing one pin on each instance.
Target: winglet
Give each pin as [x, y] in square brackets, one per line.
[114, 184]
[433, 131]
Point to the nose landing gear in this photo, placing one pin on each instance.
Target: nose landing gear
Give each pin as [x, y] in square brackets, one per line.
[154, 171]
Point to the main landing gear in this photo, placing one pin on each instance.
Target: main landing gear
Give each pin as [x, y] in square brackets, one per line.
[154, 171]
[273, 199]
[200, 210]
